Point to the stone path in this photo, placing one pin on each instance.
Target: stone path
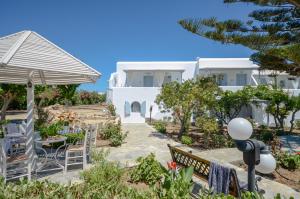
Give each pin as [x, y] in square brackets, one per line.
[142, 141]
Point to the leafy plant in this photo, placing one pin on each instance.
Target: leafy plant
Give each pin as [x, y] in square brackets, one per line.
[207, 124]
[289, 161]
[117, 138]
[112, 109]
[148, 170]
[185, 139]
[176, 185]
[51, 130]
[74, 137]
[160, 126]
[113, 132]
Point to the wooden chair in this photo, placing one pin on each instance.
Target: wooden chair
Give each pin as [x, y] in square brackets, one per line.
[78, 153]
[201, 168]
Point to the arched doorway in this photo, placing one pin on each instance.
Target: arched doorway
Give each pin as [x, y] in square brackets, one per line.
[135, 107]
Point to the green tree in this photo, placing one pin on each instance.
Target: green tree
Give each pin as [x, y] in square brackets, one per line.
[273, 33]
[295, 107]
[9, 92]
[67, 92]
[279, 103]
[182, 98]
[230, 103]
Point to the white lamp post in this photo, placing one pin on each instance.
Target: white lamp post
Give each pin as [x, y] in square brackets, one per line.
[254, 152]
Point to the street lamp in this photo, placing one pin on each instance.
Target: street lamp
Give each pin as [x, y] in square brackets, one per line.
[255, 152]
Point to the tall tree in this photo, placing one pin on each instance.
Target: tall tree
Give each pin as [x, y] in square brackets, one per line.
[183, 98]
[231, 103]
[273, 33]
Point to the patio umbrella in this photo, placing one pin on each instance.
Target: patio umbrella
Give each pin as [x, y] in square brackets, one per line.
[28, 58]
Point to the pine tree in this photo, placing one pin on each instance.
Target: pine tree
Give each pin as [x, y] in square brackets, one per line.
[273, 33]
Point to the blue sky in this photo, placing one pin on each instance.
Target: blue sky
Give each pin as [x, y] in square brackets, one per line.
[102, 32]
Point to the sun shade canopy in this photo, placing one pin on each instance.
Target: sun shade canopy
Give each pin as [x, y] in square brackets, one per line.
[26, 53]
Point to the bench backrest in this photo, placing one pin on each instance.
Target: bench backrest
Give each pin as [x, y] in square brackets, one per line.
[201, 168]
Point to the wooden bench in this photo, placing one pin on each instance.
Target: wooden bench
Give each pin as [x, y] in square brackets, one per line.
[201, 168]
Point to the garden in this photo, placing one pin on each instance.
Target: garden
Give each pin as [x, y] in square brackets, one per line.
[211, 109]
[106, 179]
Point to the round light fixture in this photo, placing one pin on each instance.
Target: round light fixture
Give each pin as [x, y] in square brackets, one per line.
[267, 164]
[240, 129]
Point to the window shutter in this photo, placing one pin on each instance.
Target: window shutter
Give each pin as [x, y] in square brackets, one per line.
[143, 109]
[127, 109]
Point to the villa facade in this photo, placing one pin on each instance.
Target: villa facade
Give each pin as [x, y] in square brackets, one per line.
[135, 85]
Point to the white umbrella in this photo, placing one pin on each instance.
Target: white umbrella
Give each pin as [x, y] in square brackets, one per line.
[28, 58]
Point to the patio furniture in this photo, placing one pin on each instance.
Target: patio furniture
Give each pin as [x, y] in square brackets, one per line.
[49, 156]
[15, 135]
[14, 165]
[78, 153]
[202, 168]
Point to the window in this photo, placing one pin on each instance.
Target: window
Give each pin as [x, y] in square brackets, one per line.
[241, 79]
[167, 79]
[135, 107]
[221, 79]
[282, 84]
[148, 81]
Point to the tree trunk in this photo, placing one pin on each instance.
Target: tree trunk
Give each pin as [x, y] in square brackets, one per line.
[182, 129]
[4, 108]
[292, 121]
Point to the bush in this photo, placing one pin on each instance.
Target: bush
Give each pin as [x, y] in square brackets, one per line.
[289, 161]
[118, 138]
[160, 126]
[112, 109]
[185, 139]
[148, 170]
[267, 136]
[74, 137]
[176, 186]
[297, 122]
[207, 125]
[113, 132]
[51, 130]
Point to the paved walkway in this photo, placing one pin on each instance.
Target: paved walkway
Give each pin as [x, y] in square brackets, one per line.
[141, 141]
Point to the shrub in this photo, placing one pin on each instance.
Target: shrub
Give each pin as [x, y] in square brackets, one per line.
[297, 122]
[176, 186]
[74, 137]
[148, 170]
[160, 126]
[111, 129]
[51, 130]
[113, 132]
[207, 125]
[112, 109]
[185, 139]
[117, 138]
[289, 161]
[267, 136]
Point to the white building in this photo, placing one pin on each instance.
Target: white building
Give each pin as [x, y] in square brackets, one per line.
[135, 85]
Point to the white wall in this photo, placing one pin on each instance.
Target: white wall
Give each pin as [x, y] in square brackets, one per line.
[189, 69]
[139, 94]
